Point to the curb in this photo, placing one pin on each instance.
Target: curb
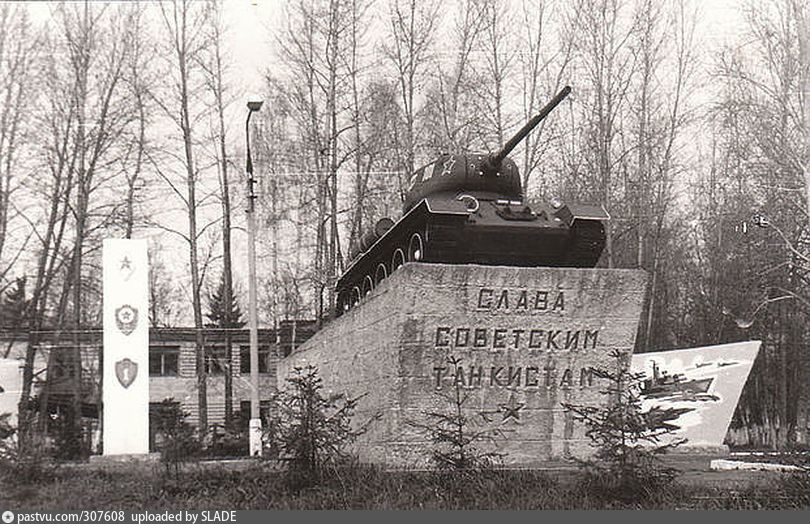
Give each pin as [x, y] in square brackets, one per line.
[728, 465]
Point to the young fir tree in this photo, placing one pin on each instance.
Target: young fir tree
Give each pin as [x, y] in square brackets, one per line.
[457, 436]
[226, 315]
[177, 440]
[220, 314]
[311, 430]
[628, 440]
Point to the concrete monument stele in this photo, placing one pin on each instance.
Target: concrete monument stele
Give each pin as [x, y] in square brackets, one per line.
[704, 384]
[126, 347]
[522, 341]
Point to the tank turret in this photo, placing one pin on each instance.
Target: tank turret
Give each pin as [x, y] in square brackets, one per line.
[485, 176]
[469, 209]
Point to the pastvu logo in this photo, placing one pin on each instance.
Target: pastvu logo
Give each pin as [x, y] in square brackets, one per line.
[8, 517]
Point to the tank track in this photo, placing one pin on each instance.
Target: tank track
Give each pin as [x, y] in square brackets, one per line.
[405, 243]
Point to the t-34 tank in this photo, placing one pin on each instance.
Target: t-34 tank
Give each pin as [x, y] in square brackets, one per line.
[469, 209]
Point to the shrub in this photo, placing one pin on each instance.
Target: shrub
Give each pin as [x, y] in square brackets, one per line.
[228, 441]
[795, 488]
[311, 431]
[627, 464]
[19, 464]
[456, 440]
[68, 437]
[178, 442]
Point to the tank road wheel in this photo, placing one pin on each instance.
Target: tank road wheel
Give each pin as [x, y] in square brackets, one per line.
[397, 260]
[416, 248]
[356, 295]
[368, 285]
[380, 274]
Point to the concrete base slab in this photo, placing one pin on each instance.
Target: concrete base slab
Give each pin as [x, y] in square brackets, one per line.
[727, 465]
[125, 458]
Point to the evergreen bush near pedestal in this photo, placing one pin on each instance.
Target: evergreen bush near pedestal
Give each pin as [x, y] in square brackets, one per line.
[456, 439]
[310, 431]
[627, 464]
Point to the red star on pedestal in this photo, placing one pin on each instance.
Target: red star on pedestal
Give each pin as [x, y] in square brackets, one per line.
[511, 410]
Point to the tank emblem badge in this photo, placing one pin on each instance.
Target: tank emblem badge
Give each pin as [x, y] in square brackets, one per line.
[126, 371]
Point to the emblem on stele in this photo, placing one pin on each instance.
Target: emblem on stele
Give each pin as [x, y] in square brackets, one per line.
[126, 318]
[126, 268]
[126, 371]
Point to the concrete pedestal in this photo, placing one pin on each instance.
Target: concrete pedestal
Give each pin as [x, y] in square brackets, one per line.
[517, 342]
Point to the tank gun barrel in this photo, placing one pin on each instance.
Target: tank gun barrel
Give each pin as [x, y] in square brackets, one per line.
[496, 158]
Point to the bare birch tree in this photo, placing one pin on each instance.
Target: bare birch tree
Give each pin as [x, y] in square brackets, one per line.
[215, 67]
[407, 48]
[602, 52]
[665, 53]
[17, 62]
[184, 24]
[763, 137]
[491, 85]
[544, 70]
[141, 81]
[452, 119]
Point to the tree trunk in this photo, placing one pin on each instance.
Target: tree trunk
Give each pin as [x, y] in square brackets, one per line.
[182, 45]
[333, 167]
[219, 93]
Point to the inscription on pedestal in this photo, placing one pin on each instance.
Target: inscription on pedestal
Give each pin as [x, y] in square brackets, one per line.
[516, 338]
[513, 376]
[540, 347]
[521, 299]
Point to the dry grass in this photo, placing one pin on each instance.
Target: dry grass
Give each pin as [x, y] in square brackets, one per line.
[364, 487]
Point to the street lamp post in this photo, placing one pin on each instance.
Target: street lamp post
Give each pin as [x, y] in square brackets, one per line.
[255, 427]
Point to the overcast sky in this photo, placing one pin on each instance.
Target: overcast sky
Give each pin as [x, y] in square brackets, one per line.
[253, 25]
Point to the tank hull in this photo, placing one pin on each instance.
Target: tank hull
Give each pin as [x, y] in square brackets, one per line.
[446, 230]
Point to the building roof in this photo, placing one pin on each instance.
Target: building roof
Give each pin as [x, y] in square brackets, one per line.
[302, 330]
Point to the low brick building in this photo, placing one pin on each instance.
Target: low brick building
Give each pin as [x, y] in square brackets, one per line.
[172, 367]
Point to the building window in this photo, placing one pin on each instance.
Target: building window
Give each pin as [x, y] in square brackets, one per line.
[216, 360]
[264, 359]
[163, 361]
